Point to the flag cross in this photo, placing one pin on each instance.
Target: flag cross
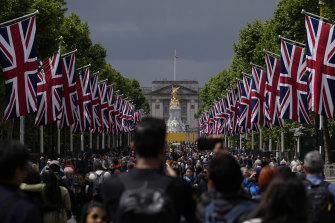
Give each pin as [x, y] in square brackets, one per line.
[52, 82]
[320, 68]
[258, 93]
[293, 80]
[19, 73]
[69, 88]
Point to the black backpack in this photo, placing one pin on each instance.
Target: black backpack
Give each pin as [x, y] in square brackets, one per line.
[212, 217]
[320, 202]
[147, 203]
[98, 180]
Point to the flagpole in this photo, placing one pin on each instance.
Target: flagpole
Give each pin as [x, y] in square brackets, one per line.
[19, 18]
[68, 53]
[98, 141]
[321, 3]
[41, 140]
[82, 141]
[109, 141]
[289, 40]
[174, 64]
[91, 139]
[58, 141]
[81, 68]
[103, 141]
[71, 141]
[22, 129]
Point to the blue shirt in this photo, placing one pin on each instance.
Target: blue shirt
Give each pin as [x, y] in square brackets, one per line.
[317, 179]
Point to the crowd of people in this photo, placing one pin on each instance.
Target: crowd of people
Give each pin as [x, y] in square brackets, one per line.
[157, 182]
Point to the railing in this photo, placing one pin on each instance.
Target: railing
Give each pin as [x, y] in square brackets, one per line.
[329, 171]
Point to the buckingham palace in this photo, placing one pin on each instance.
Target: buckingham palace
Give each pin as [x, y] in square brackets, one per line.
[159, 96]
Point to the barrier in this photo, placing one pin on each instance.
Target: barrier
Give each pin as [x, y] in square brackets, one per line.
[329, 171]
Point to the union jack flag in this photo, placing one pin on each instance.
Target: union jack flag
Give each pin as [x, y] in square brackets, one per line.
[103, 107]
[320, 47]
[66, 116]
[244, 112]
[112, 127]
[131, 118]
[207, 123]
[96, 121]
[18, 57]
[124, 115]
[234, 107]
[273, 90]
[84, 120]
[293, 84]
[49, 90]
[258, 98]
[117, 114]
[219, 117]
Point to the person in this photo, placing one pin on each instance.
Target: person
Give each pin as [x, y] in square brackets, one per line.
[294, 164]
[277, 205]
[148, 177]
[97, 178]
[56, 198]
[83, 193]
[321, 194]
[94, 212]
[265, 177]
[224, 196]
[203, 182]
[13, 164]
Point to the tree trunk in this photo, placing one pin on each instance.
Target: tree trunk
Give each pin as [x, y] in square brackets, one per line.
[326, 141]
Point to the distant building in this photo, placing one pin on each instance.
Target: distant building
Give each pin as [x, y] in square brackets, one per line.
[159, 96]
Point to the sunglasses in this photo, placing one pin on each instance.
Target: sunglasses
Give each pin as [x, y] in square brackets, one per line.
[96, 216]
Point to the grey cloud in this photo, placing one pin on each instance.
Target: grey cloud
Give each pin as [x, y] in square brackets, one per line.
[139, 32]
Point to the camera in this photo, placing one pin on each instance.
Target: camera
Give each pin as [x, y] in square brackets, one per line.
[208, 143]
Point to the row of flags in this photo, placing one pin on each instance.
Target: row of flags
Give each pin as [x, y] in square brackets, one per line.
[286, 89]
[57, 92]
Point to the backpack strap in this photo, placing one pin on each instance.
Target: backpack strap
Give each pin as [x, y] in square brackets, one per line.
[7, 205]
[234, 213]
[162, 183]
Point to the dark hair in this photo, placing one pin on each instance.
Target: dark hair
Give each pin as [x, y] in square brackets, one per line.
[225, 173]
[287, 194]
[149, 137]
[13, 155]
[52, 190]
[87, 207]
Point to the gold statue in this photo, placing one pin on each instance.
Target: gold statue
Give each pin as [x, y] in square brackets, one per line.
[174, 96]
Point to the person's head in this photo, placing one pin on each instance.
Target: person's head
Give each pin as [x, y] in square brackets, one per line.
[265, 176]
[224, 173]
[245, 172]
[205, 173]
[149, 137]
[189, 172]
[52, 190]
[68, 171]
[14, 158]
[81, 178]
[313, 162]
[286, 194]
[93, 212]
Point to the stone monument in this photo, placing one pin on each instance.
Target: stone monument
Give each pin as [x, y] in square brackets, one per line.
[174, 124]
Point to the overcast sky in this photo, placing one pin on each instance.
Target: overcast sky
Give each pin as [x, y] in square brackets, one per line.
[140, 35]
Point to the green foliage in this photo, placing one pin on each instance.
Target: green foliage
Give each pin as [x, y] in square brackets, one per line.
[287, 21]
[51, 24]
